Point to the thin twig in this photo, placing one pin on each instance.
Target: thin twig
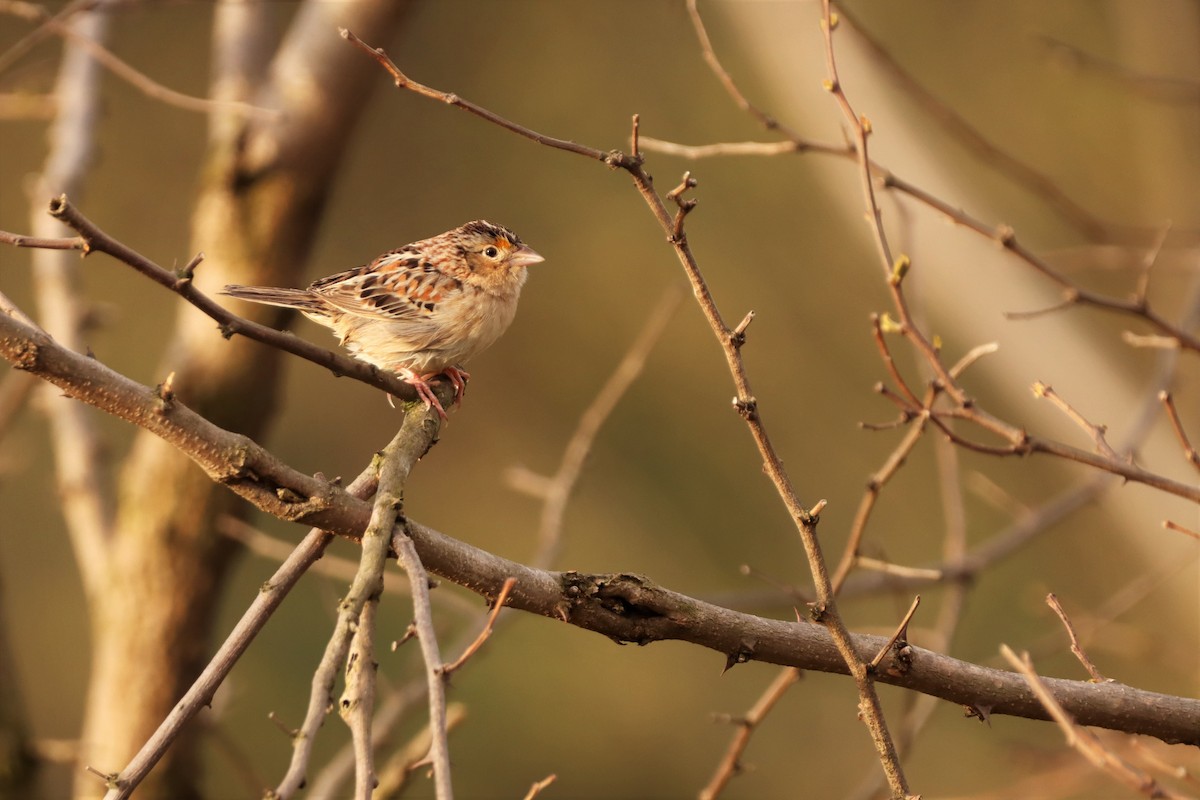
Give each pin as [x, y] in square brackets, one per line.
[974, 354]
[1147, 755]
[485, 634]
[1149, 341]
[32, 39]
[1159, 87]
[880, 325]
[888, 568]
[44, 243]
[539, 786]
[439, 752]
[1148, 262]
[1189, 452]
[899, 636]
[731, 88]
[402, 81]
[920, 709]
[858, 528]
[1096, 432]
[731, 762]
[1119, 601]
[1076, 648]
[695, 152]
[1070, 298]
[395, 773]
[1022, 443]
[556, 490]
[1175, 526]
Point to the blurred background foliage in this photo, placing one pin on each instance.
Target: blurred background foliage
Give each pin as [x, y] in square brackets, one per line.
[673, 488]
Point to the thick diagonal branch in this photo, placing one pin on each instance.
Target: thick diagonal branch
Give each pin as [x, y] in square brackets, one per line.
[623, 607]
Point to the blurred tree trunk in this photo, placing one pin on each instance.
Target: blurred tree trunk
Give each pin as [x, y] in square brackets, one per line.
[263, 189]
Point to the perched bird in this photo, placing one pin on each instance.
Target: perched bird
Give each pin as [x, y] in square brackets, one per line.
[422, 310]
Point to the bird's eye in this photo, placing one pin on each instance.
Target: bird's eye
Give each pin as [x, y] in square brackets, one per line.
[491, 252]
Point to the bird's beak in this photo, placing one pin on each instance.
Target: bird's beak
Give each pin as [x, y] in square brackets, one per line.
[525, 255]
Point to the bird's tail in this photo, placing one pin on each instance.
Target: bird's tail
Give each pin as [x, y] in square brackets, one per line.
[302, 299]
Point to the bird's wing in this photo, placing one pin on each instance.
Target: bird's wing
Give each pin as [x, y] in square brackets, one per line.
[399, 286]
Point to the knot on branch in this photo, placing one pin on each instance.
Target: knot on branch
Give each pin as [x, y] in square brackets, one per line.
[684, 206]
[737, 336]
[185, 275]
[21, 353]
[744, 653]
[58, 206]
[615, 159]
[633, 598]
[747, 408]
[166, 394]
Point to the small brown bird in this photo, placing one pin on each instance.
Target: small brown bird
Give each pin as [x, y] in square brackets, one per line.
[422, 310]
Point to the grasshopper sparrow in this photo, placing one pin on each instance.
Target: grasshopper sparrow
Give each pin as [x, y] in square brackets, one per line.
[421, 310]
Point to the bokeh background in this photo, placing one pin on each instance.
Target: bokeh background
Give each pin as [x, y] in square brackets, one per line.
[673, 488]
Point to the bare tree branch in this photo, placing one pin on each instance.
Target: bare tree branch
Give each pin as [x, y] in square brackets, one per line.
[621, 606]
